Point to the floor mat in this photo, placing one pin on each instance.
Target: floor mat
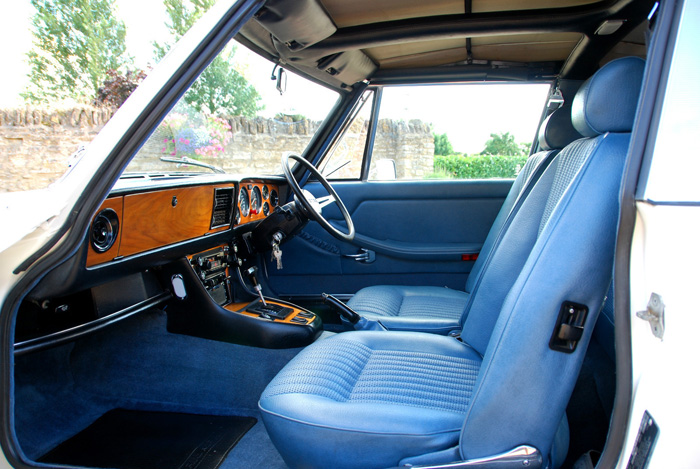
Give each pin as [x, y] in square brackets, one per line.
[129, 439]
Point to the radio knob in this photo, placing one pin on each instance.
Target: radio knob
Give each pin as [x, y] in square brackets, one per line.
[207, 264]
[202, 275]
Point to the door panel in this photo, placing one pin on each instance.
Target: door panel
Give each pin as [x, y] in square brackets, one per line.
[417, 230]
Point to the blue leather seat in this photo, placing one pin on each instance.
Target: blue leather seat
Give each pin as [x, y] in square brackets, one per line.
[381, 399]
[443, 310]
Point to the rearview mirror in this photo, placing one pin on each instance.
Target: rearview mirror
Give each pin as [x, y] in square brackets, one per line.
[280, 77]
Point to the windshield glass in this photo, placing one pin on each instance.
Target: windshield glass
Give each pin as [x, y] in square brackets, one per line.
[239, 117]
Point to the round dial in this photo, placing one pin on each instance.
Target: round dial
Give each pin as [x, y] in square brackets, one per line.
[237, 216]
[274, 198]
[266, 209]
[255, 200]
[265, 192]
[244, 202]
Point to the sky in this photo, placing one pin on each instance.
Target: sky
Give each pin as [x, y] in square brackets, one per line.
[471, 117]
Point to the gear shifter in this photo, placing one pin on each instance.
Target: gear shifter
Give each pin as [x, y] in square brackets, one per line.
[256, 285]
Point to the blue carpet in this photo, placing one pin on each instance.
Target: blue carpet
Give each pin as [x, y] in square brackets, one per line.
[136, 364]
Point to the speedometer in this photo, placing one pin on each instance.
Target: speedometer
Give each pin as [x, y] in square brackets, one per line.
[255, 201]
[244, 202]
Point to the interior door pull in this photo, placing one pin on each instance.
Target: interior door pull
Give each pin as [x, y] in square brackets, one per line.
[365, 255]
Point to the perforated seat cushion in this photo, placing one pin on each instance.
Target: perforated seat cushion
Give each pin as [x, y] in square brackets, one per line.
[425, 309]
[362, 390]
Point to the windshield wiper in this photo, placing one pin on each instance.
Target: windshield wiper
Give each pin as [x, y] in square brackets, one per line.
[186, 160]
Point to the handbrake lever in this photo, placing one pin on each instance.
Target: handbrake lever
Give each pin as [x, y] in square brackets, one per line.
[342, 309]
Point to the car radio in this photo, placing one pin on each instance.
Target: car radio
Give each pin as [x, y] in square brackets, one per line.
[212, 269]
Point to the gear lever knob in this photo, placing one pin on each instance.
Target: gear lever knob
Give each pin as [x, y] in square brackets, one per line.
[256, 285]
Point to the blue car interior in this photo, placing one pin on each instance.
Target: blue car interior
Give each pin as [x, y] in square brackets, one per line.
[468, 322]
[382, 398]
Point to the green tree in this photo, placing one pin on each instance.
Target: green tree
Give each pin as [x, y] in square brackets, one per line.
[442, 144]
[75, 43]
[502, 144]
[220, 89]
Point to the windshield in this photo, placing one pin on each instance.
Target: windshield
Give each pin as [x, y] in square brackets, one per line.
[239, 117]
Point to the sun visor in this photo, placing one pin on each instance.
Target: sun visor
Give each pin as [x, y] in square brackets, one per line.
[298, 23]
[348, 67]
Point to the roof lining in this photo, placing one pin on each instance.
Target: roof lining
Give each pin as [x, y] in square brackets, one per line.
[579, 19]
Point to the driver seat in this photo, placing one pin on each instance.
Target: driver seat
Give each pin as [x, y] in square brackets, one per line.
[443, 310]
[379, 399]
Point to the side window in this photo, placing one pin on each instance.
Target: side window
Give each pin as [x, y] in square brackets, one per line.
[455, 131]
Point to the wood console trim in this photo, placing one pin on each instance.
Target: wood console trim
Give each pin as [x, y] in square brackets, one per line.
[94, 257]
[155, 219]
[240, 307]
[249, 187]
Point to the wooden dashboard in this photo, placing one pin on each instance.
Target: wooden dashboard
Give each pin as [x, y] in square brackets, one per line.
[138, 222]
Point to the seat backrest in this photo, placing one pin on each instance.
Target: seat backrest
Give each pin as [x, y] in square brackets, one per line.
[556, 131]
[565, 232]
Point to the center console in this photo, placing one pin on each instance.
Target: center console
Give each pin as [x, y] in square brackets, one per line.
[208, 304]
[212, 268]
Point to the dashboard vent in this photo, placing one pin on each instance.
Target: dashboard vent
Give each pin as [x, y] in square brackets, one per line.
[104, 230]
[223, 207]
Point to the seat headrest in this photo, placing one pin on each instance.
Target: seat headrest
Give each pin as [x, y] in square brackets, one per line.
[607, 102]
[557, 131]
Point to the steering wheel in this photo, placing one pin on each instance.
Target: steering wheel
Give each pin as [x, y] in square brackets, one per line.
[310, 205]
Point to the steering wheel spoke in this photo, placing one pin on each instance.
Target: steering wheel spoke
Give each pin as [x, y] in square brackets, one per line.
[311, 205]
[327, 200]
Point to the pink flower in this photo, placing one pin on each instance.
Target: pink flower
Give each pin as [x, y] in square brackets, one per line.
[164, 149]
[165, 140]
[187, 141]
[173, 153]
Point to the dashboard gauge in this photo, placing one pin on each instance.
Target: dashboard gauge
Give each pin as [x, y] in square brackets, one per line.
[255, 200]
[237, 216]
[266, 209]
[265, 192]
[244, 202]
[274, 198]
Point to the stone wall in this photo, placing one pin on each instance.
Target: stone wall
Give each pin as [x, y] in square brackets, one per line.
[35, 145]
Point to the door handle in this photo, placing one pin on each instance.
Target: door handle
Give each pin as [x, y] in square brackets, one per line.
[365, 256]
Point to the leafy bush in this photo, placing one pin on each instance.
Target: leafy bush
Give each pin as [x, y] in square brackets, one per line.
[479, 167]
[442, 144]
[117, 87]
[194, 135]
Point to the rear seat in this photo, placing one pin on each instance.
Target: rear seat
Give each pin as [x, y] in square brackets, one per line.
[442, 310]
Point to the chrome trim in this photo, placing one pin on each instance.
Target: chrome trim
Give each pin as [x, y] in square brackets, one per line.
[521, 457]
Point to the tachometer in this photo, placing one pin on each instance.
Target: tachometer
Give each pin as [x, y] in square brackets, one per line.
[255, 200]
[244, 202]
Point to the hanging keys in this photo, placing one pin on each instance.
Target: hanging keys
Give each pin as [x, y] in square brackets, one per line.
[277, 255]
[276, 251]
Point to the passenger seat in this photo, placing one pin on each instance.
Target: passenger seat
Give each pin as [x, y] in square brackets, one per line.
[442, 310]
